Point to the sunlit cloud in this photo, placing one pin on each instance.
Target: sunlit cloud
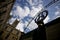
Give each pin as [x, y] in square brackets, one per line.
[36, 6]
[46, 20]
[25, 11]
[57, 13]
[20, 27]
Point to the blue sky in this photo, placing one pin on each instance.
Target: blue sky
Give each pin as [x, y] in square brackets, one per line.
[25, 10]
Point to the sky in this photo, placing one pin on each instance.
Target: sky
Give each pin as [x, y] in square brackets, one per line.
[25, 10]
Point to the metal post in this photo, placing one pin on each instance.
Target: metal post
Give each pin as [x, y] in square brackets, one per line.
[40, 33]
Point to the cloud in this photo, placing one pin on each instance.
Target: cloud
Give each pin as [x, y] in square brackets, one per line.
[34, 11]
[33, 25]
[11, 21]
[35, 3]
[20, 27]
[22, 12]
[36, 6]
[46, 20]
[57, 13]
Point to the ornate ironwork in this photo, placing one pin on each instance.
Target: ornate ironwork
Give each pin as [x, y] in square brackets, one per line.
[41, 16]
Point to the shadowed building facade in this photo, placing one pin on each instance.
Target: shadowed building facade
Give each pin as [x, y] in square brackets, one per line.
[5, 8]
[7, 31]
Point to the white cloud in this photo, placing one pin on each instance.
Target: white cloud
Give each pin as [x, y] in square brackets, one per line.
[34, 11]
[10, 13]
[24, 12]
[57, 13]
[35, 3]
[21, 12]
[33, 25]
[46, 20]
[11, 21]
[57, 7]
[20, 27]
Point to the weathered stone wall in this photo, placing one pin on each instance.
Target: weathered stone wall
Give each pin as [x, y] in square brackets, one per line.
[5, 8]
[7, 31]
[10, 33]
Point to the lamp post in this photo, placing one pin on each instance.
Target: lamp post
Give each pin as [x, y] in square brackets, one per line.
[40, 33]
